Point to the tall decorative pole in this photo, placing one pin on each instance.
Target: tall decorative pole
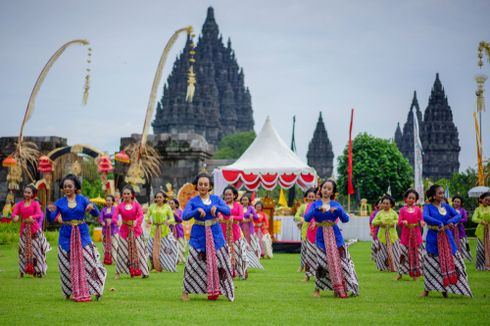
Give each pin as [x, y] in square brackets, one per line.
[144, 159]
[26, 153]
[483, 47]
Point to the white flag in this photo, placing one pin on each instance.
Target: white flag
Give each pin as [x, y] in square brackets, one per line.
[417, 159]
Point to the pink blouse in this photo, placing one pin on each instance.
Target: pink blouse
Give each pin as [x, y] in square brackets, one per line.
[134, 214]
[33, 210]
[236, 215]
[312, 228]
[414, 217]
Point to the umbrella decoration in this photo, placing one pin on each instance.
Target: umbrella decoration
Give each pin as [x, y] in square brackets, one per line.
[144, 159]
[26, 153]
[104, 166]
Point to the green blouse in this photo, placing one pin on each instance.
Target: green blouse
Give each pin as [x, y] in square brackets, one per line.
[158, 215]
[481, 214]
[299, 217]
[390, 218]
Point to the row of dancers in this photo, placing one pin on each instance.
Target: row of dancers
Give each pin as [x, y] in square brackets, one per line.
[244, 228]
[440, 261]
[220, 250]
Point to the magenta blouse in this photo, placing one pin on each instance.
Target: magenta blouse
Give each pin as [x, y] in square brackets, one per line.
[33, 210]
[133, 214]
[414, 217]
[236, 215]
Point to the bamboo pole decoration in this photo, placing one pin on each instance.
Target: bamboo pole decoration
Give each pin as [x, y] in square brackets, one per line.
[158, 77]
[42, 76]
[145, 160]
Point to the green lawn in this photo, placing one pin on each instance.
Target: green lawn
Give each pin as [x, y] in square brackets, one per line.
[276, 296]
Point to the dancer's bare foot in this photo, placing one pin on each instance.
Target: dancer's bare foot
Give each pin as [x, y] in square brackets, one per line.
[316, 294]
[306, 279]
[424, 294]
[118, 276]
[444, 294]
[185, 296]
[299, 270]
[399, 277]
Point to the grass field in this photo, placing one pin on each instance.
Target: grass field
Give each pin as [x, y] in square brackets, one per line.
[275, 296]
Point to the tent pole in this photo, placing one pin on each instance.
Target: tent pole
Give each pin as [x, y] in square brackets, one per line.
[348, 203]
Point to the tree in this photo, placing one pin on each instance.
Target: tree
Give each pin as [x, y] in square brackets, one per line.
[233, 146]
[377, 164]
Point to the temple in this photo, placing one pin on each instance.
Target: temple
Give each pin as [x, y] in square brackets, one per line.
[222, 105]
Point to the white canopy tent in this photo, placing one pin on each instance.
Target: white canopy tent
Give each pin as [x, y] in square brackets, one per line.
[266, 163]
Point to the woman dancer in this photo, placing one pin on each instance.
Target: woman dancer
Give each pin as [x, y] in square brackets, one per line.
[110, 230]
[410, 219]
[262, 231]
[387, 220]
[131, 249]
[81, 272]
[178, 229]
[208, 268]
[375, 246]
[444, 270]
[459, 232]
[482, 217]
[247, 226]
[308, 197]
[232, 233]
[335, 271]
[33, 245]
[162, 245]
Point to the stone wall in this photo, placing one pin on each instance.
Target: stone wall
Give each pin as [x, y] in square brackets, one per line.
[183, 156]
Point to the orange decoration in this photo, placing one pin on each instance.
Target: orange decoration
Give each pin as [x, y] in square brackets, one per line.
[9, 162]
[122, 157]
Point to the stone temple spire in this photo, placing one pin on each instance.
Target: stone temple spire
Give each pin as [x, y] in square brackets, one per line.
[398, 136]
[320, 154]
[405, 144]
[439, 135]
[222, 103]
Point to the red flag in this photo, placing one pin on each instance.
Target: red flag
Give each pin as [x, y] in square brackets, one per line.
[350, 187]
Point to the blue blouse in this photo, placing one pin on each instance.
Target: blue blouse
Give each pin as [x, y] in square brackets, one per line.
[70, 214]
[198, 233]
[434, 218]
[319, 216]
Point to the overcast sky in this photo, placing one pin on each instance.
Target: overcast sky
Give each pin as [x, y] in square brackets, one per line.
[299, 58]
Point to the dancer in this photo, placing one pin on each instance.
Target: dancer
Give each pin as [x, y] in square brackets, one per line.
[247, 226]
[335, 271]
[482, 217]
[178, 229]
[33, 245]
[131, 249]
[375, 246]
[232, 233]
[308, 197]
[410, 219]
[387, 219]
[162, 245]
[444, 270]
[262, 231]
[110, 230]
[459, 232]
[208, 268]
[82, 273]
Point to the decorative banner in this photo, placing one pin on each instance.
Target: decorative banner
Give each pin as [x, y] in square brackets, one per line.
[481, 175]
[417, 160]
[350, 186]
